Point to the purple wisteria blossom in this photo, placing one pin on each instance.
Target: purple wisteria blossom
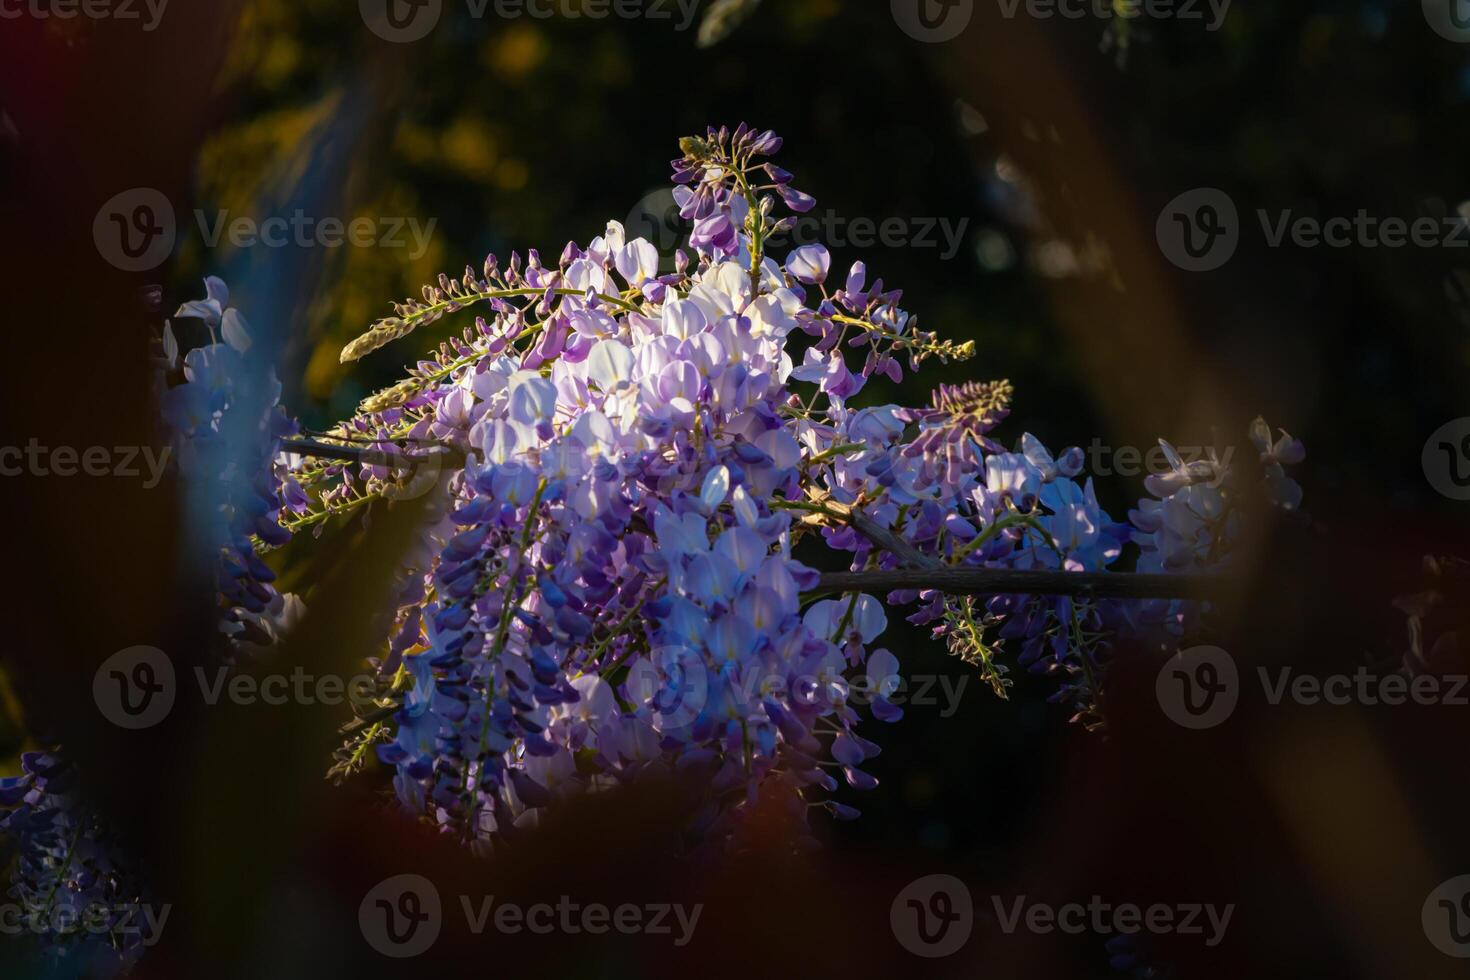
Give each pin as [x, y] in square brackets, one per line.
[225, 428]
[71, 888]
[612, 590]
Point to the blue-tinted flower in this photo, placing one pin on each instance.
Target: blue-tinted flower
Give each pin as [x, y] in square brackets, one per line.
[810, 264]
[226, 427]
[74, 891]
[612, 589]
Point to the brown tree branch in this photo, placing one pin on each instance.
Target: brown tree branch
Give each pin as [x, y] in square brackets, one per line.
[366, 454]
[1005, 581]
[925, 572]
[921, 571]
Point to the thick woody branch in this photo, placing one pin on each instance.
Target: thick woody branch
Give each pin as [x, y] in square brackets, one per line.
[890, 542]
[926, 572]
[923, 572]
[317, 449]
[1004, 581]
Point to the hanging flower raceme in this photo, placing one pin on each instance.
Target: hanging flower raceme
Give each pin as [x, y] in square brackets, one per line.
[613, 590]
[1194, 519]
[73, 891]
[225, 427]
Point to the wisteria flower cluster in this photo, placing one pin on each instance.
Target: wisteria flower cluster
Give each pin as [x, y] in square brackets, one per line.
[225, 426]
[630, 461]
[73, 889]
[1193, 520]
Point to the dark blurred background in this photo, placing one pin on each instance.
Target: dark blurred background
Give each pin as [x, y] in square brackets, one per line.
[1053, 144]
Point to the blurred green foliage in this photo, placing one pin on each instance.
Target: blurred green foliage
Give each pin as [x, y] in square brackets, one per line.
[528, 133]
